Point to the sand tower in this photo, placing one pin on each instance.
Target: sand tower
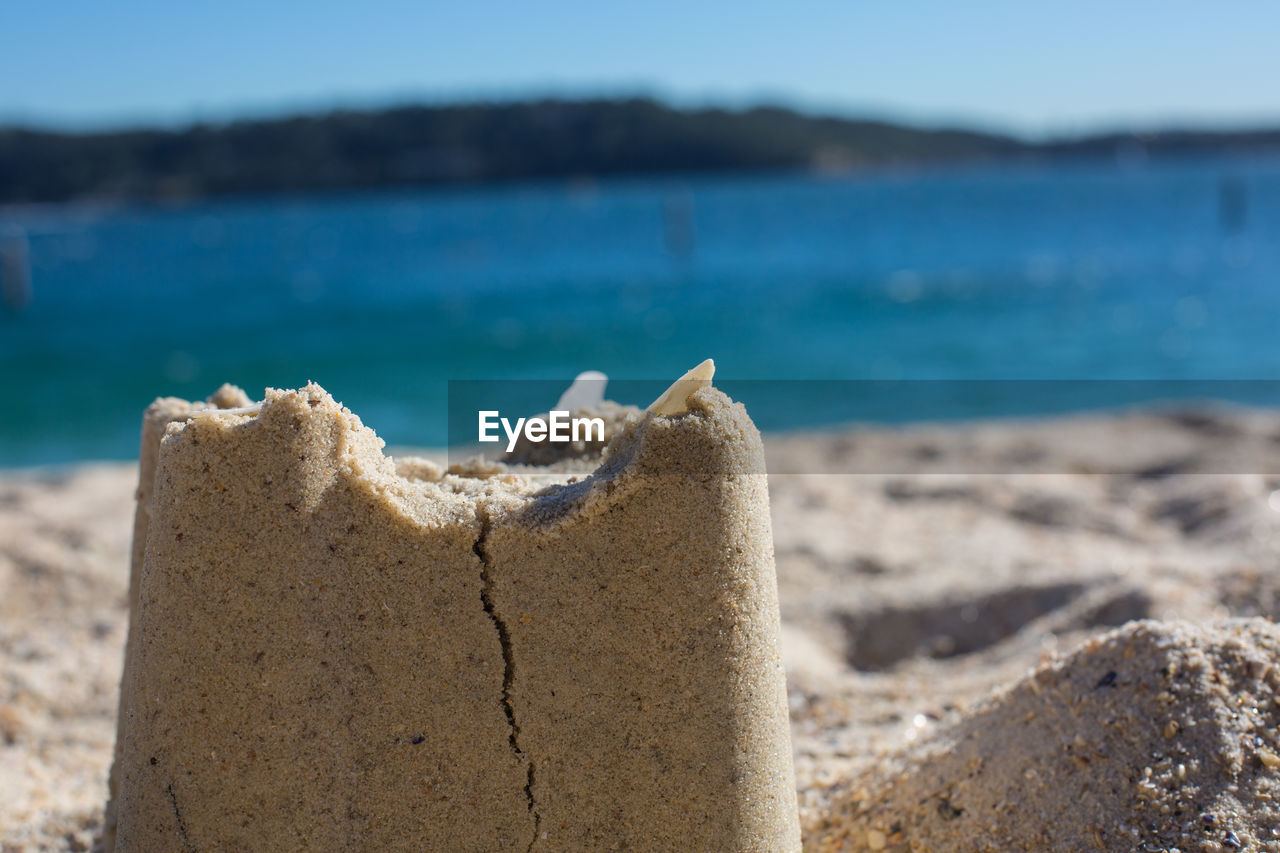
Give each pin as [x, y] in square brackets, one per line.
[331, 650]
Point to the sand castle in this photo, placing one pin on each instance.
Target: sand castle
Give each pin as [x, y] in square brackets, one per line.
[331, 649]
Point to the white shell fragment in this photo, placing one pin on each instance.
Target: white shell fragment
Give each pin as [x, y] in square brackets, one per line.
[675, 400]
[586, 392]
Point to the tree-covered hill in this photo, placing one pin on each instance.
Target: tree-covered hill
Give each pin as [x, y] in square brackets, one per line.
[423, 145]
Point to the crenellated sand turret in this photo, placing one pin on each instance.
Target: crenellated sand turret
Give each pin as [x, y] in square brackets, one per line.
[330, 650]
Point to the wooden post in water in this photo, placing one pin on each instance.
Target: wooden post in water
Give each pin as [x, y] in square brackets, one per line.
[15, 269]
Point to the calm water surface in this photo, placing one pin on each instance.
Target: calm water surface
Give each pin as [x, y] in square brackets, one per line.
[1092, 271]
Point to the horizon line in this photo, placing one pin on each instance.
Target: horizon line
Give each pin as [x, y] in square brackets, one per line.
[144, 121]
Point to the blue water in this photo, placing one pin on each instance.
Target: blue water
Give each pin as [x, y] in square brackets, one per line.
[1086, 271]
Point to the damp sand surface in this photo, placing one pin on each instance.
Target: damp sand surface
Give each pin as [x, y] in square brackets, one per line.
[963, 669]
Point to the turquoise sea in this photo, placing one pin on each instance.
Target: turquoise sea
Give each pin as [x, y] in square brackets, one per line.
[1125, 270]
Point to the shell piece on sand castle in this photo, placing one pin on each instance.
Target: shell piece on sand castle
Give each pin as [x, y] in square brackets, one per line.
[326, 654]
[1155, 736]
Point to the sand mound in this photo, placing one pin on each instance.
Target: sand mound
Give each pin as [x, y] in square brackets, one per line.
[1154, 736]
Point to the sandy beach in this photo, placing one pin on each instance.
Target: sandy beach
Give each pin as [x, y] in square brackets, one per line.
[964, 672]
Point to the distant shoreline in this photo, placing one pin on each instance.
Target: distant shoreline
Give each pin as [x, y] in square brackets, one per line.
[495, 143]
[791, 450]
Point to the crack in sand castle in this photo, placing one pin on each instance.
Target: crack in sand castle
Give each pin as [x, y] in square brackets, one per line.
[177, 815]
[508, 661]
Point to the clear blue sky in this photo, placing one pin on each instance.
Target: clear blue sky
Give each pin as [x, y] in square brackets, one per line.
[1028, 66]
